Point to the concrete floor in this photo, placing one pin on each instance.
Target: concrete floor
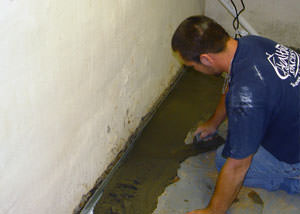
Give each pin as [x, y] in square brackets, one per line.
[196, 180]
[162, 175]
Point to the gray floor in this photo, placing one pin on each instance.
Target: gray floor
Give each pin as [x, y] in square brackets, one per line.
[196, 180]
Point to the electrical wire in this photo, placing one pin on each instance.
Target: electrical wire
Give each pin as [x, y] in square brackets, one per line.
[236, 22]
[236, 25]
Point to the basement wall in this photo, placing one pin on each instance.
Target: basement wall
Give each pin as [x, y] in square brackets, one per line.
[76, 77]
[277, 20]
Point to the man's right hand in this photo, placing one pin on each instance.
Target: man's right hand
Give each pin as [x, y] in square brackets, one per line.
[206, 129]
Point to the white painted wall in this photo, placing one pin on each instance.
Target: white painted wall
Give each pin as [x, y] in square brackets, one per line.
[76, 76]
[277, 20]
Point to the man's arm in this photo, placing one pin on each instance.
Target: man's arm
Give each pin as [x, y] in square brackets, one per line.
[228, 185]
[211, 125]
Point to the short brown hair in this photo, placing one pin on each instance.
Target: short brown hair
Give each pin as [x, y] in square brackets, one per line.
[197, 35]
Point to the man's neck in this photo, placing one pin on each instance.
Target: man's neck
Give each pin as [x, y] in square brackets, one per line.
[229, 53]
[222, 60]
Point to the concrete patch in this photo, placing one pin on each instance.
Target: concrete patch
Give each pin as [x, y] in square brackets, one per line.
[197, 177]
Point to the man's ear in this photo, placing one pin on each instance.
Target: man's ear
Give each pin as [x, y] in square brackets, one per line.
[206, 60]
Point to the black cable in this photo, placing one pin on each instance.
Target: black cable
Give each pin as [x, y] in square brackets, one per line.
[236, 22]
[236, 19]
[236, 25]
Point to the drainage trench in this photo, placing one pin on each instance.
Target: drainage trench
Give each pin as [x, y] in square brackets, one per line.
[153, 162]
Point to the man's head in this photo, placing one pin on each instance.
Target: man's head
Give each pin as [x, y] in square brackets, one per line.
[198, 36]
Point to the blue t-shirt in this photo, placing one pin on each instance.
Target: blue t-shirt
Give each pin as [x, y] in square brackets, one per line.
[263, 100]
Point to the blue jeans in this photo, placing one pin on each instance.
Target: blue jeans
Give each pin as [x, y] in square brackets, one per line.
[267, 172]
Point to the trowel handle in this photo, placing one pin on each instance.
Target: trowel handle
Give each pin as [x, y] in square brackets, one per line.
[197, 136]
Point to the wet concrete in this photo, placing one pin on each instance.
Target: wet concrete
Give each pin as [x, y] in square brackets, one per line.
[155, 159]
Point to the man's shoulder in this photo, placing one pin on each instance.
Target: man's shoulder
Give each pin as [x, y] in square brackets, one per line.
[251, 63]
[254, 38]
[255, 46]
[252, 48]
[249, 84]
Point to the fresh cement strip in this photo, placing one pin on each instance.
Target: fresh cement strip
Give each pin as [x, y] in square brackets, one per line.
[96, 196]
[154, 160]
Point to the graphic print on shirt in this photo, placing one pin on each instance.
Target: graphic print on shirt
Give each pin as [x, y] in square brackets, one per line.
[286, 64]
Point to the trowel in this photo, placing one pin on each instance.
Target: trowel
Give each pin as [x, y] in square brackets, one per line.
[210, 142]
